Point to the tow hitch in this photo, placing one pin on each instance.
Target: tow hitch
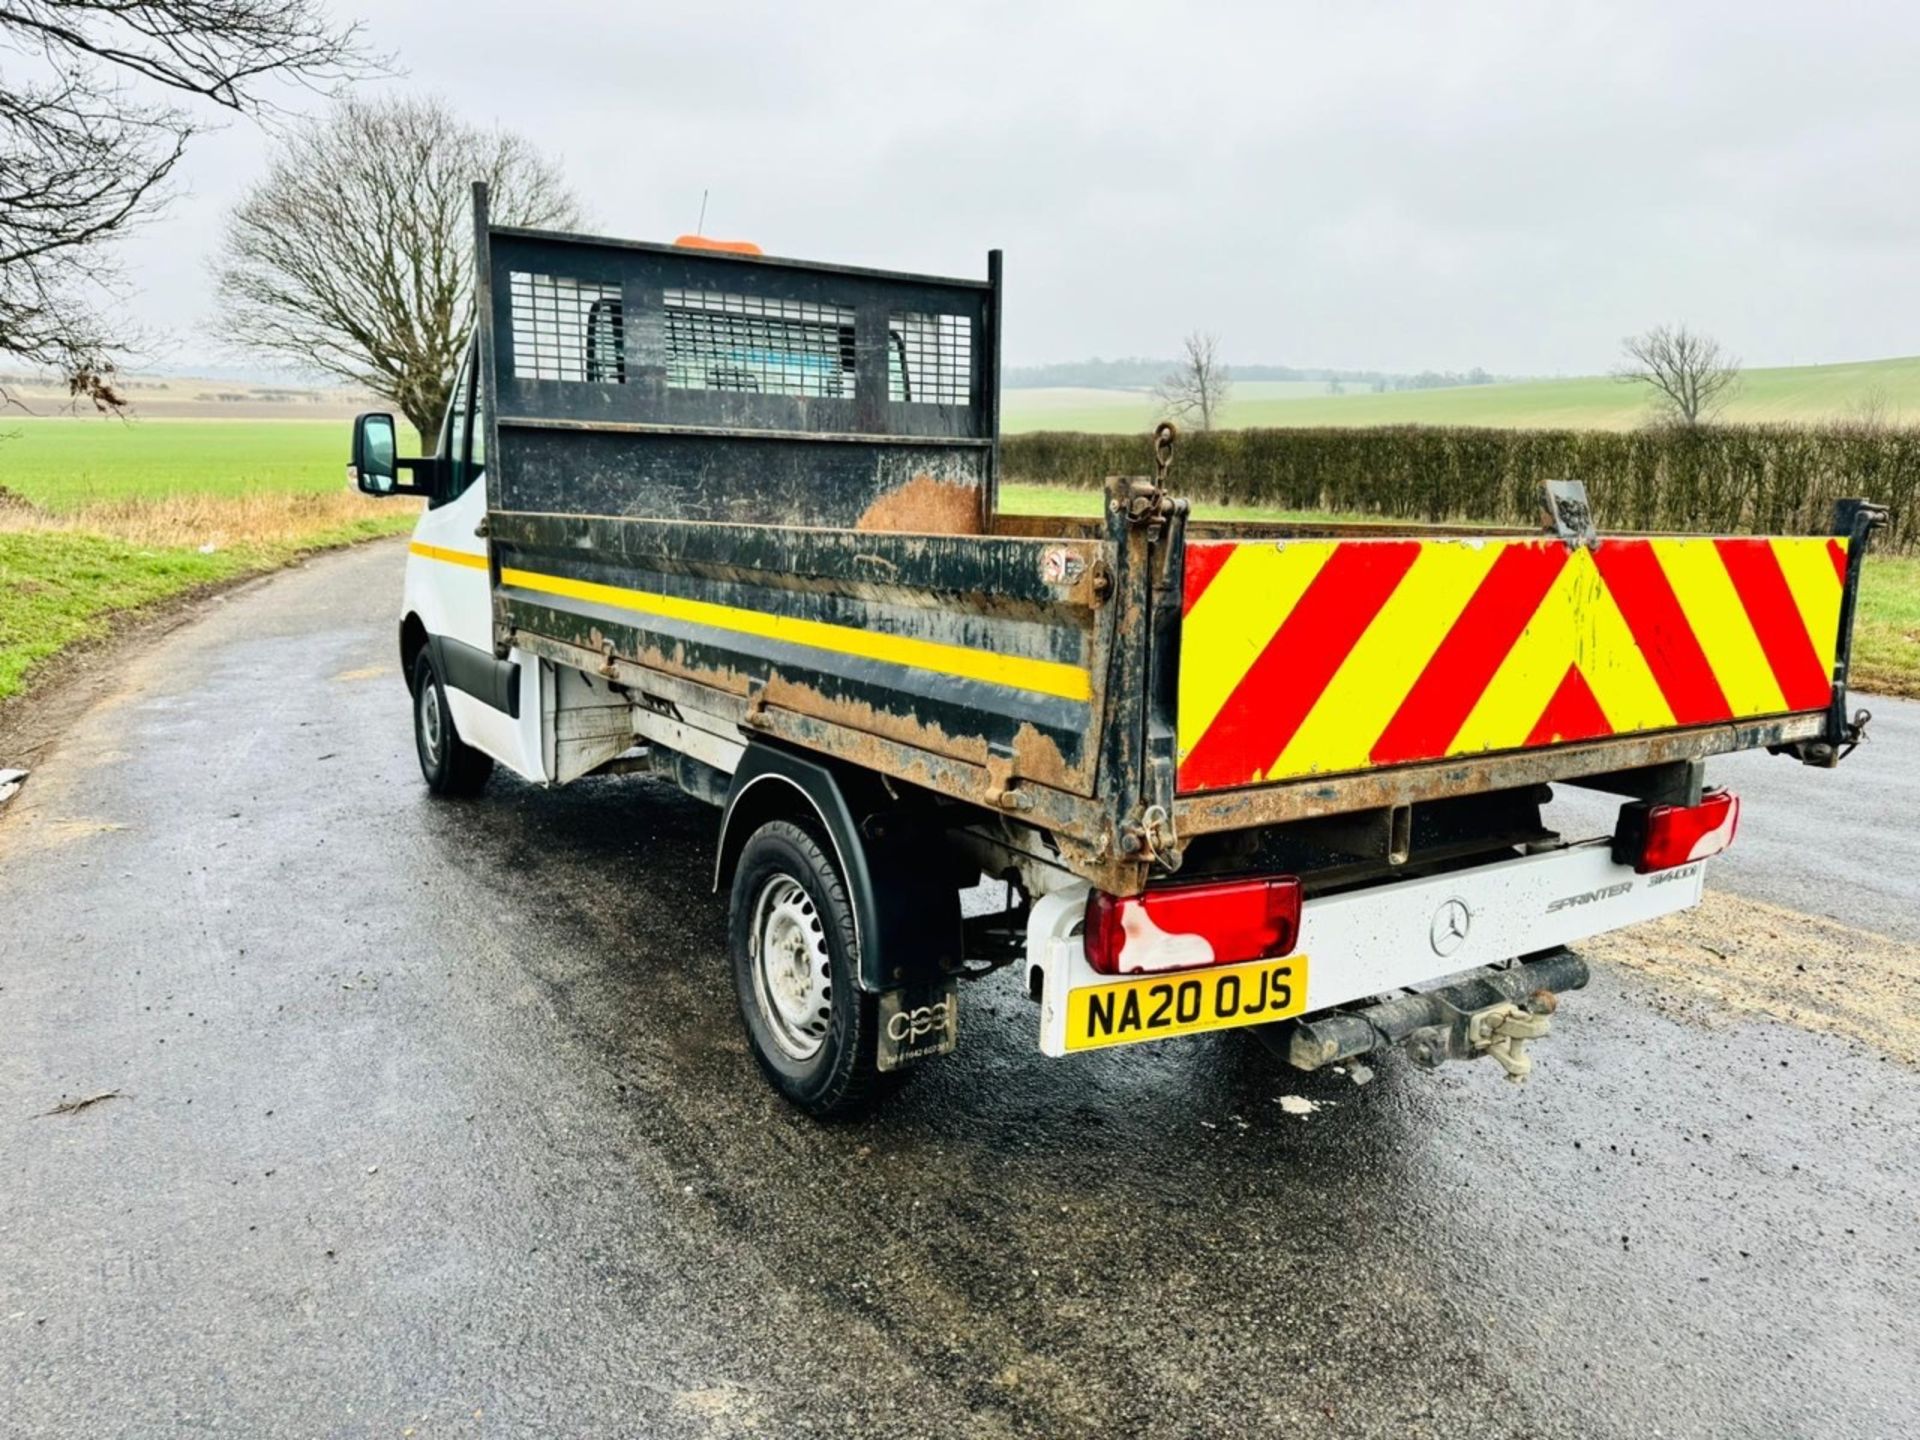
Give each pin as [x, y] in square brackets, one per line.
[1503, 1031]
[1494, 1012]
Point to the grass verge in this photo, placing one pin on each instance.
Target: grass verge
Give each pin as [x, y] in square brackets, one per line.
[65, 578]
[1886, 632]
[1886, 635]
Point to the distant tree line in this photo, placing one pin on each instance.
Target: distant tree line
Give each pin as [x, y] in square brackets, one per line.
[1143, 374]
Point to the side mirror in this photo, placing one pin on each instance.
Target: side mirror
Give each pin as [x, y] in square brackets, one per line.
[375, 468]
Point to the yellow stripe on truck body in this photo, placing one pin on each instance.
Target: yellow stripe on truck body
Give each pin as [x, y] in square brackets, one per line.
[1044, 677]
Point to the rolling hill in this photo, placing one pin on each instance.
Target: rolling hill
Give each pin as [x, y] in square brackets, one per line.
[1790, 393]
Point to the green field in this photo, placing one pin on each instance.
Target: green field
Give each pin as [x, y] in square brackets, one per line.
[124, 514]
[63, 465]
[1797, 393]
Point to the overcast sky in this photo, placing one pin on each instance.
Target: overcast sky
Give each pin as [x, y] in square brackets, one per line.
[1399, 187]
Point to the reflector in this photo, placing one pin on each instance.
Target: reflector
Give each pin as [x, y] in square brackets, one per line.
[1681, 834]
[1184, 927]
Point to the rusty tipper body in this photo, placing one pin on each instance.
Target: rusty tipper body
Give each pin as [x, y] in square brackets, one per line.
[733, 520]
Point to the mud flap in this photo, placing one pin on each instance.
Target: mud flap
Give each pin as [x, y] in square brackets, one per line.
[917, 1022]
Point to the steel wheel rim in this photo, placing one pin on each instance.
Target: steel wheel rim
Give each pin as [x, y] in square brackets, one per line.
[792, 972]
[430, 720]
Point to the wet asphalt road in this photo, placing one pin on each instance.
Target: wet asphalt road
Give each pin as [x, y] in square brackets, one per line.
[437, 1121]
[1844, 843]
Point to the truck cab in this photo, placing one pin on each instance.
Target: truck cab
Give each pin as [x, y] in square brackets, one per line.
[474, 707]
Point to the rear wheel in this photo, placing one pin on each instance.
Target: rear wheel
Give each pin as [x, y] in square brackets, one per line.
[795, 957]
[450, 765]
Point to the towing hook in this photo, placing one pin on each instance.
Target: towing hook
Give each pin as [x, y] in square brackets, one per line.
[1493, 1011]
[1501, 1032]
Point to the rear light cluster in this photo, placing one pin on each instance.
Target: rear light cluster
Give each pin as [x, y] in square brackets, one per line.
[1659, 837]
[1184, 927]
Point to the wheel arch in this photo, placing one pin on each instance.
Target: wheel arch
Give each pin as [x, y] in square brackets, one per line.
[906, 921]
[413, 639]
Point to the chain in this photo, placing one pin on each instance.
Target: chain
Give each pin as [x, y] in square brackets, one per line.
[1164, 434]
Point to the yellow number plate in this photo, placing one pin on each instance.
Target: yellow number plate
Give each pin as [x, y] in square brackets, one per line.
[1156, 1006]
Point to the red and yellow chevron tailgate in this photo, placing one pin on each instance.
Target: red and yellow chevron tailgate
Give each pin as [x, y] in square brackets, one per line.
[1307, 657]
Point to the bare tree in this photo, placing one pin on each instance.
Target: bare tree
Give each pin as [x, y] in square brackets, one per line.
[1201, 383]
[354, 254]
[1691, 377]
[88, 138]
[1872, 412]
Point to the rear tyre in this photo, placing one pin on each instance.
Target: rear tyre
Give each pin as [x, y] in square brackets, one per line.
[450, 765]
[795, 958]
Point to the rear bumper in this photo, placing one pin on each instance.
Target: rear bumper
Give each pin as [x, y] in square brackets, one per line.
[1403, 933]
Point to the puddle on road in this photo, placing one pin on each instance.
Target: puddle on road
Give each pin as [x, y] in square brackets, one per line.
[1752, 958]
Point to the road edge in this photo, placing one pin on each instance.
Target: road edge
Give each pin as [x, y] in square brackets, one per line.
[64, 686]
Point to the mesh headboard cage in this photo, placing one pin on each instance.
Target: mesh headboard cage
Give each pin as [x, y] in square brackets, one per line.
[649, 380]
